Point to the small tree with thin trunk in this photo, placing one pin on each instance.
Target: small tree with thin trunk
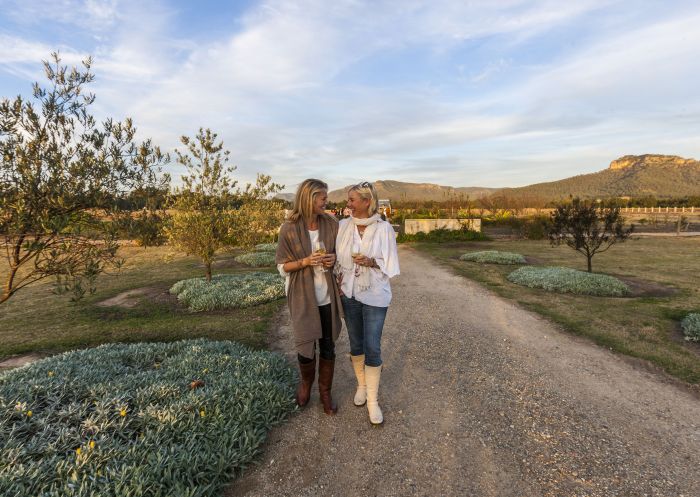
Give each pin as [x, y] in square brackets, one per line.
[208, 214]
[61, 174]
[588, 227]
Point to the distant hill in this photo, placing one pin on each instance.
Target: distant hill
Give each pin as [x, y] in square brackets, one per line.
[629, 176]
[400, 191]
[287, 197]
[661, 176]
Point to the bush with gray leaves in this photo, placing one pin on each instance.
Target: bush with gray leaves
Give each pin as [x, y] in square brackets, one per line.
[567, 280]
[157, 419]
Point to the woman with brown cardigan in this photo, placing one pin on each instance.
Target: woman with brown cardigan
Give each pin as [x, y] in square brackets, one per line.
[312, 292]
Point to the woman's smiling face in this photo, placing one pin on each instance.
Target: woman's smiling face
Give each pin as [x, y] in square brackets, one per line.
[359, 207]
[320, 201]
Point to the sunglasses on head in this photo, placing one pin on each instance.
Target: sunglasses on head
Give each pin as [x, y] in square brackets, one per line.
[365, 184]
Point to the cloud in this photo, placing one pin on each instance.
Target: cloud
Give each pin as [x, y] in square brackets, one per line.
[300, 88]
[91, 15]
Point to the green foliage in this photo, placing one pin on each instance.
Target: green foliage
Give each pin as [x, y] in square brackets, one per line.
[587, 227]
[567, 280]
[125, 420]
[146, 227]
[266, 247]
[531, 228]
[208, 214]
[228, 291]
[442, 235]
[60, 175]
[691, 327]
[257, 259]
[493, 257]
[535, 228]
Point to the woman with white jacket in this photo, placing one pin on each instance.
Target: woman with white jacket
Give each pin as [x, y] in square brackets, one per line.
[366, 259]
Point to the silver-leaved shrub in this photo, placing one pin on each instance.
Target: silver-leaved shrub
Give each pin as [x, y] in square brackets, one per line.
[156, 419]
[257, 259]
[567, 280]
[266, 247]
[229, 291]
[493, 257]
[691, 327]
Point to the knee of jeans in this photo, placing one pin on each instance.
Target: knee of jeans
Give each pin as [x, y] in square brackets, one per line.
[356, 348]
[373, 354]
[373, 360]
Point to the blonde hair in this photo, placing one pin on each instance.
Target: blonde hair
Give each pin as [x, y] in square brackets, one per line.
[303, 207]
[367, 191]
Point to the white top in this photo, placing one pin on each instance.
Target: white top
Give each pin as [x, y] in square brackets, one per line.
[323, 296]
[383, 250]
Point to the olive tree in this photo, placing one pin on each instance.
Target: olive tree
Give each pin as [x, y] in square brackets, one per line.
[209, 213]
[588, 227]
[60, 174]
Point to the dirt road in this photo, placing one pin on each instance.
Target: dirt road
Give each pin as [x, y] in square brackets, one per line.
[482, 398]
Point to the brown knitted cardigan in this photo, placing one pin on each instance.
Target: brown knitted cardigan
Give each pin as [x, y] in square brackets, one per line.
[295, 244]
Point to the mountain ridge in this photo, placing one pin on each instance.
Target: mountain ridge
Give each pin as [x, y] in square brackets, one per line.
[658, 175]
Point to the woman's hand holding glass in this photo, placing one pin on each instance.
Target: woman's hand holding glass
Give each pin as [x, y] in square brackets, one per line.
[320, 257]
[329, 260]
[363, 260]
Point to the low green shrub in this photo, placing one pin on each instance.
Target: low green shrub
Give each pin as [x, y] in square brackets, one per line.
[228, 291]
[531, 227]
[266, 247]
[157, 419]
[691, 327]
[567, 280]
[443, 235]
[493, 257]
[257, 259]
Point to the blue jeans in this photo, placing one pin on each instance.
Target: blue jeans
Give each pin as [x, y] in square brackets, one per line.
[365, 324]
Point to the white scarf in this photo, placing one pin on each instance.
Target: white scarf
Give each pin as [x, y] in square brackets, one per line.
[344, 248]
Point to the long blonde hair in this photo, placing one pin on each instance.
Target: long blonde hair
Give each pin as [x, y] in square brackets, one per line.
[366, 190]
[303, 207]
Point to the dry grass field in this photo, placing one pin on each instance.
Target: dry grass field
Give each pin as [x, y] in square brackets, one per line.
[663, 275]
[133, 306]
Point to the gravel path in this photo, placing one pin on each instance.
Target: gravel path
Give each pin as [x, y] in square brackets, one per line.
[482, 398]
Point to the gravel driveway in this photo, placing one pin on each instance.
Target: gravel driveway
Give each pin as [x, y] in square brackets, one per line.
[482, 398]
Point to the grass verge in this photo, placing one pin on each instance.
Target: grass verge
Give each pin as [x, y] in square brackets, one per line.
[37, 320]
[643, 327]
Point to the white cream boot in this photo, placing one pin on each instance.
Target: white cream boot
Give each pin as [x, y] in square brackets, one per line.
[372, 375]
[358, 364]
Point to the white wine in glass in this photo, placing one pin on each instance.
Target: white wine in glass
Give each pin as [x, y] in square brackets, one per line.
[320, 248]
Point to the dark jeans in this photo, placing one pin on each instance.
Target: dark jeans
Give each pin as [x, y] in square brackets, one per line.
[325, 343]
[365, 324]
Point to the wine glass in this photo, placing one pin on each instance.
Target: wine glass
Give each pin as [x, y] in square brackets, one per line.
[355, 250]
[320, 248]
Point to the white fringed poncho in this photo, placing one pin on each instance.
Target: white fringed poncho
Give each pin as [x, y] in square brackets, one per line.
[378, 242]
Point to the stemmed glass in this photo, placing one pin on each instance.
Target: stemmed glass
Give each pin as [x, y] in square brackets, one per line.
[320, 248]
[354, 254]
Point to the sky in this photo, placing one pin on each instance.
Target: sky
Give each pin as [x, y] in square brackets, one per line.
[454, 92]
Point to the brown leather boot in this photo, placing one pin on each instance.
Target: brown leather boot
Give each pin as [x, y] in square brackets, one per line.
[325, 381]
[307, 374]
